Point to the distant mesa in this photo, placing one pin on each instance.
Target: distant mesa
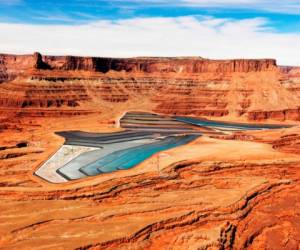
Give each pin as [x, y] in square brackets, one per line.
[189, 86]
[187, 65]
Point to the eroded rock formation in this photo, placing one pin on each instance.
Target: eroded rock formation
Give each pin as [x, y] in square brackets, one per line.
[254, 89]
[158, 65]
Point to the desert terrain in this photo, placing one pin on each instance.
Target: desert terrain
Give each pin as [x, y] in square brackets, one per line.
[238, 190]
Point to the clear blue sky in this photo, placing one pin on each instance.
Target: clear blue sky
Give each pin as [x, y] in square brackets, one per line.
[280, 18]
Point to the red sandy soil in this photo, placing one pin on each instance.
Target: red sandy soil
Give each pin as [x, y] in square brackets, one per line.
[238, 191]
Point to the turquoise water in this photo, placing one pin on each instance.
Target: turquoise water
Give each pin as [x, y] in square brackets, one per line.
[227, 125]
[124, 150]
[128, 158]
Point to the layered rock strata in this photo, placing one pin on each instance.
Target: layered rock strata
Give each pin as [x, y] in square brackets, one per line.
[252, 89]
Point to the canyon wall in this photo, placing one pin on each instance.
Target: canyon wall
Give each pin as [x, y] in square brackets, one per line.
[13, 64]
[253, 89]
[158, 65]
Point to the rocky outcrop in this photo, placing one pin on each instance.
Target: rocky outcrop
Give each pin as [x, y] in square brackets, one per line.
[38, 62]
[192, 65]
[159, 65]
[289, 69]
[289, 143]
[281, 115]
[179, 86]
[12, 66]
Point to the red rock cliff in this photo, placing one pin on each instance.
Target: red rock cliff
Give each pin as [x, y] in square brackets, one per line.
[158, 65]
[11, 64]
[257, 89]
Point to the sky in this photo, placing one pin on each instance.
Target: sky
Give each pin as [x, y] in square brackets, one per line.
[217, 29]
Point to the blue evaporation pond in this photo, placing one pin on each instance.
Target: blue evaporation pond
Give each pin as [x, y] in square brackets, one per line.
[238, 126]
[128, 158]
